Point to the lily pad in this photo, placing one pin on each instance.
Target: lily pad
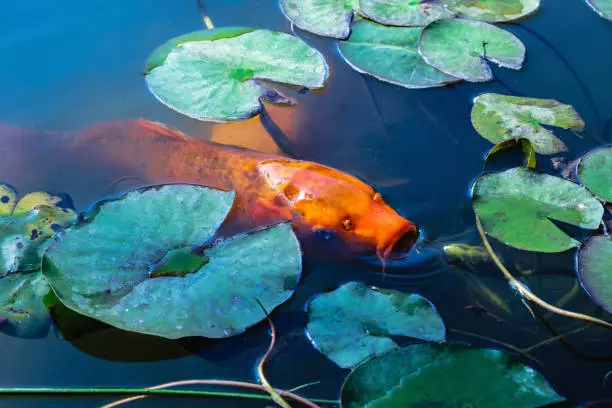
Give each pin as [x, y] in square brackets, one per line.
[595, 172]
[493, 11]
[390, 54]
[529, 154]
[217, 76]
[602, 7]
[595, 270]
[501, 117]
[518, 207]
[415, 13]
[25, 226]
[447, 375]
[355, 322]
[461, 48]
[328, 18]
[125, 264]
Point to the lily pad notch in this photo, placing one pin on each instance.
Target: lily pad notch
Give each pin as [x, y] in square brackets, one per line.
[133, 262]
[217, 75]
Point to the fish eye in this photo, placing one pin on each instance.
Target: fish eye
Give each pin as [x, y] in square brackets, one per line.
[347, 224]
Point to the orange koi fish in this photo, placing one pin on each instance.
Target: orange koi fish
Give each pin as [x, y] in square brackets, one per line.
[319, 201]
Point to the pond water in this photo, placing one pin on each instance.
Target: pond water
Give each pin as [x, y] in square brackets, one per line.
[73, 63]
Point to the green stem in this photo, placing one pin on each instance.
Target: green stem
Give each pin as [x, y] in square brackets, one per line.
[137, 391]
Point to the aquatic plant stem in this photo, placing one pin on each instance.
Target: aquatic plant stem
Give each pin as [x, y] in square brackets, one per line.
[525, 292]
[207, 21]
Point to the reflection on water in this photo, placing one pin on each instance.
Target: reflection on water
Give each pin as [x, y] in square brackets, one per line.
[73, 63]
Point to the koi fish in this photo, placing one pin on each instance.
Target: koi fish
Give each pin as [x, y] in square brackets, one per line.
[319, 201]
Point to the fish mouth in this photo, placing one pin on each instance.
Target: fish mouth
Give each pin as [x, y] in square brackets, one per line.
[400, 244]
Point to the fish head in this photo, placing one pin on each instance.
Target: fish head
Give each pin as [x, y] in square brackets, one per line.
[327, 202]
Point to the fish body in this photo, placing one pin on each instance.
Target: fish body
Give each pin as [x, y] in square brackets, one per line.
[319, 201]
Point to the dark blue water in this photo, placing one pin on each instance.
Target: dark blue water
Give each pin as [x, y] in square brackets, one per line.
[71, 63]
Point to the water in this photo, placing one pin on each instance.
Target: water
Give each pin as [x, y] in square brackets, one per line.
[72, 63]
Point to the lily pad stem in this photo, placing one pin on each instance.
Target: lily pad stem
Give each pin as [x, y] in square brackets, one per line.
[525, 292]
[207, 21]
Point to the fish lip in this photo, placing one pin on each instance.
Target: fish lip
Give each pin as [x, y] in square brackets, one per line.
[386, 250]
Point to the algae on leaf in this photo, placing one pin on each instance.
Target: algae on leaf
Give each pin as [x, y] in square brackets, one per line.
[518, 207]
[143, 262]
[390, 54]
[595, 270]
[355, 322]
[595, 172]
[217, 77]
[446, 376]
[461, 48]
[414, 13]
[493, 11]
[501, 117]
[602, 7]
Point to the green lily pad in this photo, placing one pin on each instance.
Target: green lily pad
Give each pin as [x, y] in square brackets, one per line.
[328, 18]
[493, 11]
[415, 13]
[216, 76]
[125, 264]
[390, 54]
[446, 375]
[595, 270]
[529, 154]
[595, 172]
[517, 207]
[501, 117]
[25, 226]
[354, 322]
[461, 48]
[602, 7]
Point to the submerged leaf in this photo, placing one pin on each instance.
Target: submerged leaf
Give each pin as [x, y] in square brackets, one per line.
[22, 304]
[595, 270]
[416, 13]
[461, 48]
[390, 54]
[354, 322]
[501, 117]
[595, 172]
[602, 7]
[102, 267]
[218, 78]
[493, 11]
[447, 375]
[518, 207]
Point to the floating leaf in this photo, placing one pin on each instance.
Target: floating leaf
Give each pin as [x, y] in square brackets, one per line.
[354, 322]
[25, 226]
[329, 18]
[518, 207]
[390, 54]
[429, 375]
[216, 76]
[529, 154]
[404, 13]
[493, 11]
[461, 48]
[595, 270]
[595, 172]
[125, 264]
[602, 7]
[501, 117]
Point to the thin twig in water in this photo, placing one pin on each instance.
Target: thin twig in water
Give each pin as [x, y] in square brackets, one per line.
[522, 289]
[501, 343]
[555, 338]
[260, 367]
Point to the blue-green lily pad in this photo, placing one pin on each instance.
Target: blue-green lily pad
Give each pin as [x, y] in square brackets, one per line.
[414, 13]
[595, 270]
[493, 11]
[25, 226]
[328, 18]
[595, 172]
[602, 7]
[501, 117]
[390, 54]
[125, 264]
[518, 207]
[445, 376]
[216, 76]
[461, 48]
[355, 322]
